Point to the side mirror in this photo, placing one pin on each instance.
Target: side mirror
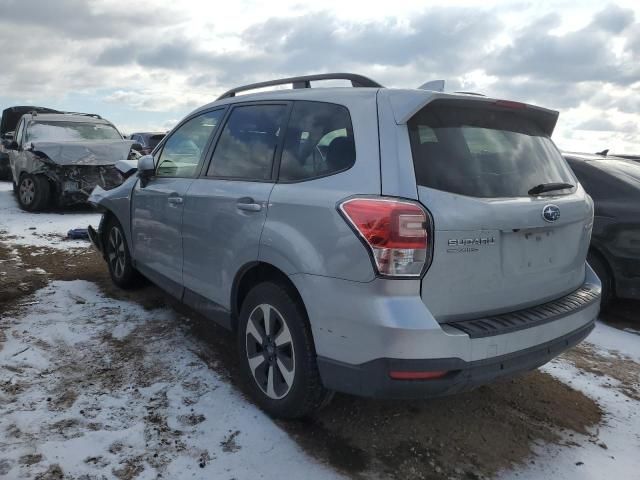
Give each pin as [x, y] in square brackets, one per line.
[146, 169]
[12, 145]
[9, 135]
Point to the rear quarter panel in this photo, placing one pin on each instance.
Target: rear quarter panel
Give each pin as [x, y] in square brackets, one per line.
[304, 233]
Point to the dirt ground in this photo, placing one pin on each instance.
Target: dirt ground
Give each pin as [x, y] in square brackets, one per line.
[474, 435]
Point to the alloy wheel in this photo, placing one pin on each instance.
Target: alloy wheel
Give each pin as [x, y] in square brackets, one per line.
[27, 191]
[270, 351]
[116, 253]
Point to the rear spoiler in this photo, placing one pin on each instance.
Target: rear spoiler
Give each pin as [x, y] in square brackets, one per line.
[406, 103]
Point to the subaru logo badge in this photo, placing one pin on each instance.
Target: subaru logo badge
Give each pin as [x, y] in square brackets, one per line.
[551, 213]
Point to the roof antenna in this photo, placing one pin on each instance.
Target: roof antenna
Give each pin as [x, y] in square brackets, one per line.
[603, 152]
[433, 85]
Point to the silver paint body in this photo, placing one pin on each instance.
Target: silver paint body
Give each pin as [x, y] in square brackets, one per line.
[206, 242]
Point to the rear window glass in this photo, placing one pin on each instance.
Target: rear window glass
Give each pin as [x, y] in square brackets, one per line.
[319, 142]
[481, 152]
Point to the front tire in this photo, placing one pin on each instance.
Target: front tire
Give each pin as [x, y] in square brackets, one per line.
[116, 251]
[34, 192]
[278, 358]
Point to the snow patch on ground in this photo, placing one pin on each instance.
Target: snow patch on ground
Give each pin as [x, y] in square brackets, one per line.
[40, 229]
[616, 453]
[102, 388]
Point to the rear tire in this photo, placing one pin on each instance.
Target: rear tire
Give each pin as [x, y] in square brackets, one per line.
[604, 273]
[34, 192]
[116, 252]
[279, 367]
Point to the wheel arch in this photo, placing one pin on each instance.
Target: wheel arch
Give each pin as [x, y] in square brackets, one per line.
[599, 253]
[251, 275]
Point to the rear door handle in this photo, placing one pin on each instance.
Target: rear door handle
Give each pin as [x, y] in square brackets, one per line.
[175, 200]
[248, 205]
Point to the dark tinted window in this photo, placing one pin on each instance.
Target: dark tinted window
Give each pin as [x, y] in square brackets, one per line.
[183, 150]
[248, 143]
[483, 152]
[319, 142]
[154, 140]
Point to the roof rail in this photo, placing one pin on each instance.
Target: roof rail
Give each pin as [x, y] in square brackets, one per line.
[304, 81]
[57, 112]
[94, 115]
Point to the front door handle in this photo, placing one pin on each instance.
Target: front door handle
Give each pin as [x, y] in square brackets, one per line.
[175, 200]
[248, 205]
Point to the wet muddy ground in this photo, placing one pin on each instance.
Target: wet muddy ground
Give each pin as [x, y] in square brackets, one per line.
[473, 435]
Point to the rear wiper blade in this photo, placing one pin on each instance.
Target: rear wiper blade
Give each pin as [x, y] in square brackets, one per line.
[549, 187]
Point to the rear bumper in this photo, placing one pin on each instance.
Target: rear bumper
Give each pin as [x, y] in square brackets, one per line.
[372, 379]
[366, 329]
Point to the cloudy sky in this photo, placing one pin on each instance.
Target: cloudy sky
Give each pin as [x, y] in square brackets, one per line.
[145, 64]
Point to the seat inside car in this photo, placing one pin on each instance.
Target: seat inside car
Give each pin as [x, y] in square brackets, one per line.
[340, 154]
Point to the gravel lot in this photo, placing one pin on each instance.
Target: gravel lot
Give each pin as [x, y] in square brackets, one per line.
[100, 383]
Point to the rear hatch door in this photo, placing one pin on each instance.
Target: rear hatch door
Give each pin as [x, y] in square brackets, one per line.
[498, 245]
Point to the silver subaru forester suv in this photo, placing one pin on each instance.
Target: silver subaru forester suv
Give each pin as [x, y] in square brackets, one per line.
[379, 242]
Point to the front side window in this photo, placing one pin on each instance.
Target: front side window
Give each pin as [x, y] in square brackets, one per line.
[484, 152]
[319, 142]
[248, 143]
[183, 150]
[41, 131]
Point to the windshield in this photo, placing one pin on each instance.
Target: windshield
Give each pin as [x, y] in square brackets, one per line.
[483, 152]
[70, 132]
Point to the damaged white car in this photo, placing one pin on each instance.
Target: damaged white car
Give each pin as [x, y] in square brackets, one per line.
[58, 159]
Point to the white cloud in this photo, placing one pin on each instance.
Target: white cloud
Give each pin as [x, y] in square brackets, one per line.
[155, 57]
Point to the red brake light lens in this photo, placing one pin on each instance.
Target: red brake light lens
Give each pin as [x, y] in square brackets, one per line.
[396, 232]
[418, 375]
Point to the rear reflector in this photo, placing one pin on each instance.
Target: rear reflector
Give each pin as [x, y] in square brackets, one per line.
[395, 231]
[418, 375]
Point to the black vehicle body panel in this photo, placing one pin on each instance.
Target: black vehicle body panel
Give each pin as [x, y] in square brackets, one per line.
[5, 168]
[614, 185]
[11, 116]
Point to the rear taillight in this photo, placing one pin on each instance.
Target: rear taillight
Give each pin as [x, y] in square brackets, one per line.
[395, 231]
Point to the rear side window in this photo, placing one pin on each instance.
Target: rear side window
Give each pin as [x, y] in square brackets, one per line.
[319, 142]
[483, 152]
[248, 143]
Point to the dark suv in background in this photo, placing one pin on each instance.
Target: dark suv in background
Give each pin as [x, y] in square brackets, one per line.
[147, 140]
